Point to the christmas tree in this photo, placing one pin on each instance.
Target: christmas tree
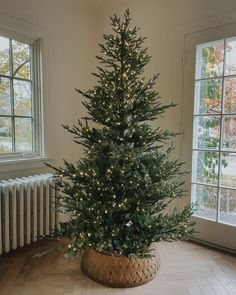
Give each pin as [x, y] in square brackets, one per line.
[117, 195]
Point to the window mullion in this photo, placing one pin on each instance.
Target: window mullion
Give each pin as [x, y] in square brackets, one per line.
[16, 78]
[36, 95]
[221, 137]
[33, 97]
[12, 96]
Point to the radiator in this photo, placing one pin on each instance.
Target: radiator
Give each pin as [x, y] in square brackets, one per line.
[27, 210]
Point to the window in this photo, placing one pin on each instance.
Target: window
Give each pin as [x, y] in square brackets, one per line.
[214, 134]
[19, 98]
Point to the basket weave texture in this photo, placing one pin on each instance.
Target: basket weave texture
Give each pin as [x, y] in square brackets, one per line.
[119, 271]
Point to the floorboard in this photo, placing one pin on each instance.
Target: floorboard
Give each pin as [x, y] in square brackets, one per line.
[187, 268]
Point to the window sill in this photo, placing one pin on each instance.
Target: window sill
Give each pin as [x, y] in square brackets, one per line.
[17, 165]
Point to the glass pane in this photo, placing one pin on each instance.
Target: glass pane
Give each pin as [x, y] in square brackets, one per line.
[205, 167]
[210, 59]
[206, 198]
[207, 132]
[21, 59]
[230, 56]
[22, 98]
[228, 206]
[5, 135]
[5, 97]
[23, 131]
[228, 170]
[4, 56]
[208, 96]
[230, 95]
[229, 133]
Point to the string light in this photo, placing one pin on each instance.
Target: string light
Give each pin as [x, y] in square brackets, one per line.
[106, 210]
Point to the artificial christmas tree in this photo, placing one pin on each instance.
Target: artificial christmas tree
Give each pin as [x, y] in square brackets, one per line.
[117, 194]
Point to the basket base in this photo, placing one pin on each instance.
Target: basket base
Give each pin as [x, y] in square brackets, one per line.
[119, 271]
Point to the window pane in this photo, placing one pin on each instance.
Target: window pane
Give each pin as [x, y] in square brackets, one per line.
[21, 59]
[230, 56]
[228, 168]
[4, 56]
[207, 132]
[205, 167]
[5, 97]
[22, 98]
[210, 59]
[5, 135]
[206, 198]
[208, 96]
[229, 133]
[230, 95]
[23, 130]
[228, 206]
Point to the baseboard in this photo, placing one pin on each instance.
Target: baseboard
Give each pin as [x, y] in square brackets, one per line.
[212, 245]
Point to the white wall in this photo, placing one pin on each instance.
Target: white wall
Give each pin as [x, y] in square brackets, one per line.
[70, 44]
[159, 21]
[75, 27]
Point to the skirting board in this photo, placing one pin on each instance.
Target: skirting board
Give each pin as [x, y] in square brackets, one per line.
[212, 245]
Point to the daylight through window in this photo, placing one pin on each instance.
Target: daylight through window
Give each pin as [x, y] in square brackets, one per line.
[214, 134]
[17, 101]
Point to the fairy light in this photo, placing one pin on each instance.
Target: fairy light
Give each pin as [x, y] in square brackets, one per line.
[85, 189]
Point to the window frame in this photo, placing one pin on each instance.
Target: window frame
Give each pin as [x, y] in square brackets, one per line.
[220, 149]
[37, 96]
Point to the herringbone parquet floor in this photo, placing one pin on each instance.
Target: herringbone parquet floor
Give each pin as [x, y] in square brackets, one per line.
[186, 268]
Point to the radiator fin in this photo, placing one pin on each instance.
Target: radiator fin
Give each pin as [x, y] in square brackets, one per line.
[27, 210]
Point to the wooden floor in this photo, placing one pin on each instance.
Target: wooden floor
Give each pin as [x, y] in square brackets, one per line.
[186, 268]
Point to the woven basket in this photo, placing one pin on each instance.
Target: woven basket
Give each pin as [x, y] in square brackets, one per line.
[119, 271]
